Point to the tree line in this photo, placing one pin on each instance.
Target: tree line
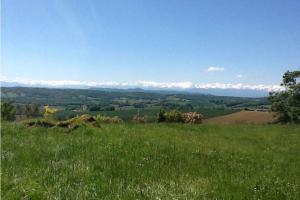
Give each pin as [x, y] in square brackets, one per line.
[9, 111]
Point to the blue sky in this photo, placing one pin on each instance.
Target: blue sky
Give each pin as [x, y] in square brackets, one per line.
[240, 41]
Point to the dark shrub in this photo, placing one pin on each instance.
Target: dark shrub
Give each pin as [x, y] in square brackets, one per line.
[8, 111]
[161, 116]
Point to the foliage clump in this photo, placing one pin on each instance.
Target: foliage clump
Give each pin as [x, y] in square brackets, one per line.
[83, 120]
[174, 116]
[71, 124]
[49, 112]
[161, 116]
[8, 111]
[286, 103]
[177, 116]
[106, 119]
[40, 123]
[192, 118]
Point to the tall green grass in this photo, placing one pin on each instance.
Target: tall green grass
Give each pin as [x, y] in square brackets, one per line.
[151, 161]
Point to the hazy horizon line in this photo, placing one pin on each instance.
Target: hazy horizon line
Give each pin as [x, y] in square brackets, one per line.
[143, 84]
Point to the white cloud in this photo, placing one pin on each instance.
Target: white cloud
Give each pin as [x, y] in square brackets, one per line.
[239, 86]
[239, 76]
[153, 84]
[215, 69]
[142, 84]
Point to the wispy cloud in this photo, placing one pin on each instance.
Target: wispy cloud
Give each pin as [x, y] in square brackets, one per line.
[239, 76]
[215, 69]
[141, 84]
[240, 86]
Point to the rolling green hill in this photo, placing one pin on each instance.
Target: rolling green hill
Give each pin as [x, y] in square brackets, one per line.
[125, 103]
[72, 99]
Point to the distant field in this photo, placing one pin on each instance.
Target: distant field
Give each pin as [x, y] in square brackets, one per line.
[242, 117]
[151, 161]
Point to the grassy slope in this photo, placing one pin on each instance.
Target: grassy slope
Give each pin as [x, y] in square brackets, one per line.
[166, 161]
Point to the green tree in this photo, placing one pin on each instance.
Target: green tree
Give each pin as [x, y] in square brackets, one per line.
[8, 111]
[286, 103]
[161, 116]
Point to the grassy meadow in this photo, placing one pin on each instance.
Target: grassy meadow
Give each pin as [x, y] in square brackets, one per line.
[151, 161]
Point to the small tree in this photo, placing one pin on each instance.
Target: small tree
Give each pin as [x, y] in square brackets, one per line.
[161, 116]
[49, 112]
[8, 111]
[287, 103]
